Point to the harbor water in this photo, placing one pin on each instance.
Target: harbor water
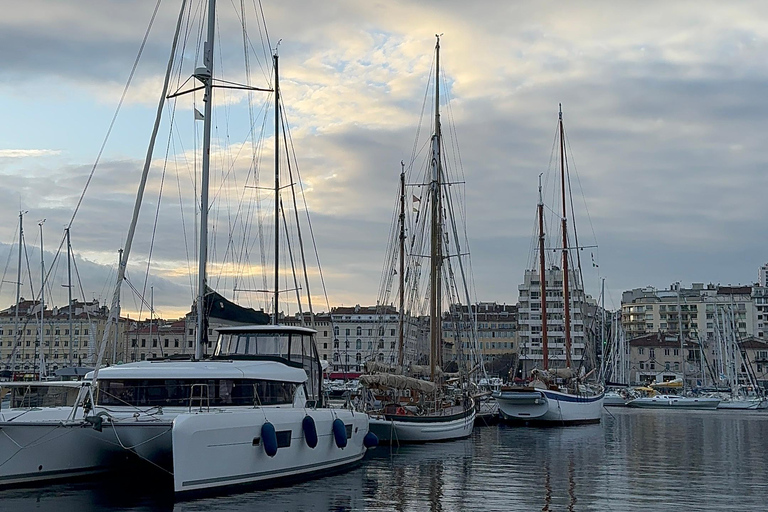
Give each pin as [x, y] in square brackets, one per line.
[634, 460]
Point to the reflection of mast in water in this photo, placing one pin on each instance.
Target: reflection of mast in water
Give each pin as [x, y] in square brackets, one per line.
[571, 484]
[547, 487]
[436, 486]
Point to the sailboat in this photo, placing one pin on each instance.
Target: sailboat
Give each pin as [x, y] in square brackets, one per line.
[556, 396]
[413, 409]
[252, 412]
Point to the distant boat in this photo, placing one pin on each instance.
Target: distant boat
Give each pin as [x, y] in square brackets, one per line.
[674, 402]
[557, 396]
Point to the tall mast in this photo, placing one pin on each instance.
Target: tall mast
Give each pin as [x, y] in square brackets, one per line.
[42, 292]
[566, 294]
[69, 292]
[277, 187]
[400, 332]
[436, 232]
[205, 75]
[680, 329]
[16, 337]
[117, 319]
[543, 282]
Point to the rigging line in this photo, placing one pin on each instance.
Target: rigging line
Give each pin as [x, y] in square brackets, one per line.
[10, 254]
[309, 223]
[298, 225]
[114, 117]
[581, 189]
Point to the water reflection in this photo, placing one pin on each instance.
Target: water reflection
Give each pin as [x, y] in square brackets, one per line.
[634, 460]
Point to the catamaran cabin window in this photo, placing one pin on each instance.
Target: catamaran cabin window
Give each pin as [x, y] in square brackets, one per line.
[177, 392]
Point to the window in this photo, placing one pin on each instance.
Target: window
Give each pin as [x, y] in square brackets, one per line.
[358, 344]
[336, 330]
[85, 332]
[347, 332]
[651, 353]
[359, 331]
[143, 342]
[640, 350]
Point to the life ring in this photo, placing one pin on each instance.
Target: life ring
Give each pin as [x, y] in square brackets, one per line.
[400, 411]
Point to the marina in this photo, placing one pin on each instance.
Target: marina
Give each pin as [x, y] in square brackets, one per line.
[633, 460]
[193, 341]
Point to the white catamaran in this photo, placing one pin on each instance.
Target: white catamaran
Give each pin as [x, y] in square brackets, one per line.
[252, 412]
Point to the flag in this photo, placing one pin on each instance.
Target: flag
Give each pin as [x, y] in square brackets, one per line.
[198, 116]
[593, 261]
[416, 199]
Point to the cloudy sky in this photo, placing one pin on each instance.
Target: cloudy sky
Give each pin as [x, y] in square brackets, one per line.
[664, 110]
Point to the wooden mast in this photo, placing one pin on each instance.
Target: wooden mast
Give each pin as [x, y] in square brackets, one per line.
[400, 333]
[566, 294]
[436, 232]
[543, 282]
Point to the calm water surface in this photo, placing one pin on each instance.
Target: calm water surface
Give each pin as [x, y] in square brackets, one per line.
[634, 460]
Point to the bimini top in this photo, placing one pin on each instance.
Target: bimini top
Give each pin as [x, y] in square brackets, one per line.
[267, 329]
[203, 370]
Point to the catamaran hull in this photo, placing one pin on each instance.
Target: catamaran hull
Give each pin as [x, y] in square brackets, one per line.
[43, 445]
[548, 407]
[422, 429]
[212, 450]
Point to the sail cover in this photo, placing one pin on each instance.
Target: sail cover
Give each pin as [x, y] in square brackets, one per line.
[216, 306]
[387, 380]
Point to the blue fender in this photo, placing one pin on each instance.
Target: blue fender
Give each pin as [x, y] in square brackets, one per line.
[370, 440]
[339, 433]
[310, 431]
[269, 439]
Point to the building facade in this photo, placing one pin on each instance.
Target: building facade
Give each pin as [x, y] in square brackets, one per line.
[59, 345]
[695, 311]
[530, 322]
[497, 339]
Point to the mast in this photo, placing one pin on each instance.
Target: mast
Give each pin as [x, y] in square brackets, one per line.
[543, 282]
[18, 298]
[400, 333]
[151, 312]
[69, 292]
[436, 232]
[277, 187]
[680, 328]
[205, 75]
[566, 294]
[42, 292]
[117, 319]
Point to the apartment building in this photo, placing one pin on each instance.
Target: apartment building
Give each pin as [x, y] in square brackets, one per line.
[60, 345]
[497, 337]
[697, 311]
[530, 323]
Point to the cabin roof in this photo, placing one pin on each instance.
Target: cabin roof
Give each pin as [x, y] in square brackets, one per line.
[202, 370]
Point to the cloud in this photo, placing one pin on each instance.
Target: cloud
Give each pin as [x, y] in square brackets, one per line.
[663, 111]
[27, 153]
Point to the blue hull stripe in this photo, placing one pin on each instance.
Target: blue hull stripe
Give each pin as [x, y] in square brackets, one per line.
[571, 398]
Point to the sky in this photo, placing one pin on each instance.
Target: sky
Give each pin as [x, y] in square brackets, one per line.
[664, 107]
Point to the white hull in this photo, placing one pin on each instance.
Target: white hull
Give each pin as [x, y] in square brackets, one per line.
[45, 446]
[225, 448]
[422, 429]
[614, 400]
[674, 402]
[748, 404]
[548, 407]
